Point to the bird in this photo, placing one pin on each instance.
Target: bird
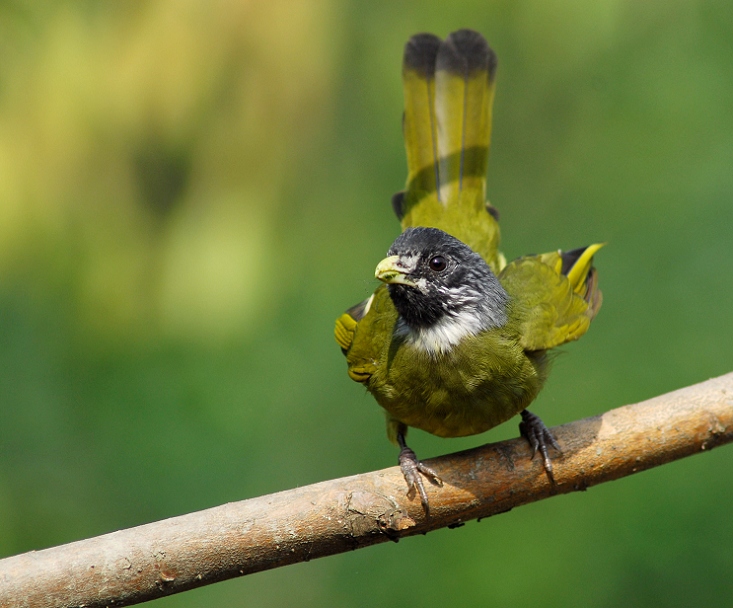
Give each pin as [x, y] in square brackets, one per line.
[456, 340]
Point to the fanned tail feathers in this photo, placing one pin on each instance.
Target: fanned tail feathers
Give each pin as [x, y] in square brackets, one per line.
[419, 126]
[449, 93]
[464, 84]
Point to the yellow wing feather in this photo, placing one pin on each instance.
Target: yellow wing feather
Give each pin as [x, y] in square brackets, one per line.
[556, 295]
[345, 330]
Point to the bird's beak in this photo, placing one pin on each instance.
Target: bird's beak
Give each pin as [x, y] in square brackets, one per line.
[390, 270]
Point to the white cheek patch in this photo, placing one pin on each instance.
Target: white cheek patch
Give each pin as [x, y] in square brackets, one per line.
[409, 262]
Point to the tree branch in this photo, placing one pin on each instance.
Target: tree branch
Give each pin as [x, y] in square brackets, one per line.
[173, 555]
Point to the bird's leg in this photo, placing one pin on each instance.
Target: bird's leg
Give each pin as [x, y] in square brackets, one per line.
[411, 469]
[539, 436]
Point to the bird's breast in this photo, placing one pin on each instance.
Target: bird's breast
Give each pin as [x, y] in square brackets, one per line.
[469, 388]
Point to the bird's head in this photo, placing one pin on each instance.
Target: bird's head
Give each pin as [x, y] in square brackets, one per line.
[436, 280]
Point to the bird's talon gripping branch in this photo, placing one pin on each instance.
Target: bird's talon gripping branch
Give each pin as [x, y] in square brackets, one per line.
[413, 469]
[539, 437]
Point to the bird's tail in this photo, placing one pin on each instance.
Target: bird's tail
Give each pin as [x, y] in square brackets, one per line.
[449, 92]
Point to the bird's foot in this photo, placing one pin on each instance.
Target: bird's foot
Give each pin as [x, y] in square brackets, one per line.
[413, 470]
[540, 438]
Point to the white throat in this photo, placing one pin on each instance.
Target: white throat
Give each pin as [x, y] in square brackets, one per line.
[442, 336]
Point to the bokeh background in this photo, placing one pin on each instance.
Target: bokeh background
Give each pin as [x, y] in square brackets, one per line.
[191, 192]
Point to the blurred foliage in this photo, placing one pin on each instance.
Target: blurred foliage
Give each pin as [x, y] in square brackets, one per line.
[190, 192]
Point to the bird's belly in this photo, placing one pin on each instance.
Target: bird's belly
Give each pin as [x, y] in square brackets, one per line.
[454, 396]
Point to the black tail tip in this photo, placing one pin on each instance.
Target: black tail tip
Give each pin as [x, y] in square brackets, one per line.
[420, 53]
[466, 51]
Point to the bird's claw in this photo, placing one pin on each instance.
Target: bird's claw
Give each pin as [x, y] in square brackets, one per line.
[413, 469]
[539, 436]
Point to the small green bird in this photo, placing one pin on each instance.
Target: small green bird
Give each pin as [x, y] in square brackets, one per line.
[455, 342]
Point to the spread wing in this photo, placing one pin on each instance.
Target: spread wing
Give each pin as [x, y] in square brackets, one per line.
[556, 294]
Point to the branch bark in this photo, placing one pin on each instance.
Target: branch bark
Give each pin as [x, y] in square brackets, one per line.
[173, 555]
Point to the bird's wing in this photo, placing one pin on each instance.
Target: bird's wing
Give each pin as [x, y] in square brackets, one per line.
[556, 296]
[449, 93]
[364, 332]
[346, 324]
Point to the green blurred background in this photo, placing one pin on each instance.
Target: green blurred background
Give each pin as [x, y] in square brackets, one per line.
[191, 192]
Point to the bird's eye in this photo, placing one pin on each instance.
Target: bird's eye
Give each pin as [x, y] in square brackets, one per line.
[438, 263]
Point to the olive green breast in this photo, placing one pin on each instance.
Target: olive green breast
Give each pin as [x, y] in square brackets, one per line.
[482, 382]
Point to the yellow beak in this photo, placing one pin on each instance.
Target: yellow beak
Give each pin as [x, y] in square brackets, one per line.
[389, 270]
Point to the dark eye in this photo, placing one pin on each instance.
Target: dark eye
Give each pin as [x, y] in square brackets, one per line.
[437, 263]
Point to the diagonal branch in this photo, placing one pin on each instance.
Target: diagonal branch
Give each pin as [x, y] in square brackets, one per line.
[165, 557]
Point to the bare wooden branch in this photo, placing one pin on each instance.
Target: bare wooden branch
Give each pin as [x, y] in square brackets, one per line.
[165, 557]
